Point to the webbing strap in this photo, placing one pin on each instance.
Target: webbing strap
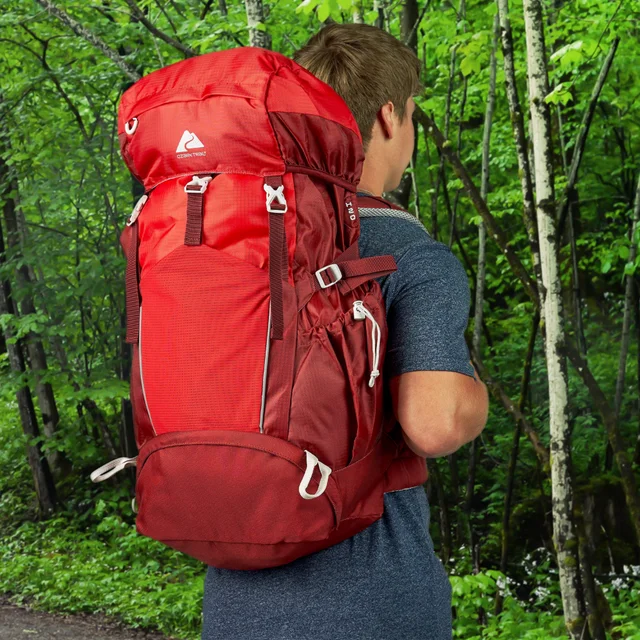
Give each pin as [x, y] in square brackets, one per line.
[355, 271]
[129, 242]
[195, 203]
[193, 232]
[278, 261]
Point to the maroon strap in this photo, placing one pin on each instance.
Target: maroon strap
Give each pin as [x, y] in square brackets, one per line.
[129, 243]
[193, 232]
[355, 271]
[195, 204]
[278, 261]
[376, 202]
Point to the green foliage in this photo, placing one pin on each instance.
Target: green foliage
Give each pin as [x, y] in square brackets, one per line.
[58, 134]
[108, 568]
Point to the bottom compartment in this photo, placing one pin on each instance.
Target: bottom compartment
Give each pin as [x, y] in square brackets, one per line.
[233, 499]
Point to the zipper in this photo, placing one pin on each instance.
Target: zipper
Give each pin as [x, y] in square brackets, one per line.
[144, 394]
[264, 373]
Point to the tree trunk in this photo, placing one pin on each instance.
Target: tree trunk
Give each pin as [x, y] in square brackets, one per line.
[519, 135]
[255, 17]
[513, 459]
[481, 273]
[628, 305]
[629, 484]
[59, 463]
[42, 478]
[636, 457]
[443, 512]
[551, 291]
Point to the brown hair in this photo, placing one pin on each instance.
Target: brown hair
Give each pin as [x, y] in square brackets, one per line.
[366, 66]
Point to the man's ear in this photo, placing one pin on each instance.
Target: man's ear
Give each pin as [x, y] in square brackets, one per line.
[386, 116]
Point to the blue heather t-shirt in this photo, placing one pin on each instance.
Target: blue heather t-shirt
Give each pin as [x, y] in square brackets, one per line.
[385, 583]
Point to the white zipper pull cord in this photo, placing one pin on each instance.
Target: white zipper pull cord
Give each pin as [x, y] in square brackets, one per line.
[360, 312]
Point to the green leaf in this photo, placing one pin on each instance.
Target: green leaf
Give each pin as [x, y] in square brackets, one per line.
[324, 11]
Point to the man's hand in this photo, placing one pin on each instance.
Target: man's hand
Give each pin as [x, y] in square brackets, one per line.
[439, 411]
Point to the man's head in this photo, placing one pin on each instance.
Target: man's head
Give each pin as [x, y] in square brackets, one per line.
[377, 76]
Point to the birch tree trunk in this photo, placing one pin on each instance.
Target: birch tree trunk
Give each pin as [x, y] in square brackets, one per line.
[255, 17]
[561, 481]
[519, 135]
[481, 272]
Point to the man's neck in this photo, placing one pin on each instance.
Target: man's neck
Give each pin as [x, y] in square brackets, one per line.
[373, 174]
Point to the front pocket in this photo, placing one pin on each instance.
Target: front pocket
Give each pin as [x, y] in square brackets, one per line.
[230, 487]
[203, 337]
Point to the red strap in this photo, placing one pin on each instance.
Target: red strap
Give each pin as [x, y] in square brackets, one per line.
[278, 260]
[129, 241]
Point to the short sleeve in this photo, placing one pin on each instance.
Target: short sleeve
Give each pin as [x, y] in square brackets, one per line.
[428, 312]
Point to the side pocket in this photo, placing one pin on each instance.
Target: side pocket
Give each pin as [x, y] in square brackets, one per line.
[322, 416]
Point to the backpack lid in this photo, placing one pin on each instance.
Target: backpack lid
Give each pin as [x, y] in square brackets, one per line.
[244, 110]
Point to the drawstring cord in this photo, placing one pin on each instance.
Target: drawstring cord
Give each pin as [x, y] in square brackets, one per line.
[360, 312]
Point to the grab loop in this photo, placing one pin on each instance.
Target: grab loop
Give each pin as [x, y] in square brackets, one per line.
[325, 472]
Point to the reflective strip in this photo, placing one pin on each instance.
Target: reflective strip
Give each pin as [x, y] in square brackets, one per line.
[144, 394]
[264, 373]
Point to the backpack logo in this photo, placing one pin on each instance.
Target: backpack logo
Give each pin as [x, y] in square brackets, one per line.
[188, 142]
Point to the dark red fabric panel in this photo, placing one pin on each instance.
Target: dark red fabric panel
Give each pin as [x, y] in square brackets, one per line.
[312, 142]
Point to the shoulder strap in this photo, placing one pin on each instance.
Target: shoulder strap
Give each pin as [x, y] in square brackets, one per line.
[375, 202]
[374, 206]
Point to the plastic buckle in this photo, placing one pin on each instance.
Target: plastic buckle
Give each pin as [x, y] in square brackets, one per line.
[335, 270]
[136, 210]
[200, 183]
[276, 194]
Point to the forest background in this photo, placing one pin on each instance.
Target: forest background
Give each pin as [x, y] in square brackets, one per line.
[527, 164]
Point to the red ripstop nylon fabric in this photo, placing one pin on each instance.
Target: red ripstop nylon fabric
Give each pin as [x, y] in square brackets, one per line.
[256, 446]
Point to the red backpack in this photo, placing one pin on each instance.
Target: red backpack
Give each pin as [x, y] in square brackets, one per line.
[258, 332]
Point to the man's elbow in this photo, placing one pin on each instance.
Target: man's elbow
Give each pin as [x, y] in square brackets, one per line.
[442, 435]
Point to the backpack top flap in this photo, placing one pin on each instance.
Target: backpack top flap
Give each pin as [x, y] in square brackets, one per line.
[245, 110]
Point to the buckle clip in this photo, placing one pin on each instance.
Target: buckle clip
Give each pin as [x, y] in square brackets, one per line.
[137, 209]
[335, 270]
[198, 183]
[275, 194]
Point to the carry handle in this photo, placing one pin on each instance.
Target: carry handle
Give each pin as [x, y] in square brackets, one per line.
[111, 468]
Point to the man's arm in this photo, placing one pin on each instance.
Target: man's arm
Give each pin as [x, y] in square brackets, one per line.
[437, 395]
[439, 411]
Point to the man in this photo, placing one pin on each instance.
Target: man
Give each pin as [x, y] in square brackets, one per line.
[385, 583]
